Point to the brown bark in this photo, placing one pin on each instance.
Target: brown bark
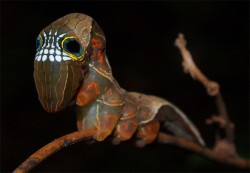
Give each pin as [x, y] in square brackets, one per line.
[221, 153]
[53, 147]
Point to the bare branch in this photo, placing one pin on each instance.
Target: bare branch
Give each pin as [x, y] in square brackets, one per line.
[190, 67]
[53, 147]
[224, 150]
[219, 154]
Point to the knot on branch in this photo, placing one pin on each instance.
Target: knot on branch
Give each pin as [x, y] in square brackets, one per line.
[225, 149]
[213, 88]
[222, 122]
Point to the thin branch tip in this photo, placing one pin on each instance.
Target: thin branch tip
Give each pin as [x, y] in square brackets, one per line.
[180, 41]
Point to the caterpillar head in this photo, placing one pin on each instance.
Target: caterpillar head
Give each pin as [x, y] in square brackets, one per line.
[62, 59]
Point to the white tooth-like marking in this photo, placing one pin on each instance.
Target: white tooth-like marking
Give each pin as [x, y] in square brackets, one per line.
[44, 57]
[45, 51]
[51, 58]
[44, 34]
[41, 51]
[39, 58]
[50, 32]
[48, 45]
[57, 45]
[43, 45]
[52, 44]
[65, 54]
[66, 58]
[62, 35]
[57, 42]
[36, 58]
[58, 52]
[58, 58]
[56, 33]
[51, 51]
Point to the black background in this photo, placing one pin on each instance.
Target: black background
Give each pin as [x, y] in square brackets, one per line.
[140, 46]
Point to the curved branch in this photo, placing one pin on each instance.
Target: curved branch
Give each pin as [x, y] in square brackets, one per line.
[53, 147]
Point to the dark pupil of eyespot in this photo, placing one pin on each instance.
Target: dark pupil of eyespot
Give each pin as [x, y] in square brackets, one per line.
[73, 46]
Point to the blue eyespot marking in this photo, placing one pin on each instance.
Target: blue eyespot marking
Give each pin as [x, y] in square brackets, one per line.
[39, 43]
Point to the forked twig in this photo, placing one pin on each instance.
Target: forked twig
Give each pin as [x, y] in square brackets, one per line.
[213, 89]
[224, 150]
[53, 147]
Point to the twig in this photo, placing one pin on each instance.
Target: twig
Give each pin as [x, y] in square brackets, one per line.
[213, 89]
[53, 147]
[224, 150]
[220, 155]
[190, 67]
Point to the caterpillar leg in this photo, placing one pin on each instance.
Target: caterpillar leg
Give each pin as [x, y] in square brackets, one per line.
[106, 121]
[98, 115]
[124, 131]
[147, 133]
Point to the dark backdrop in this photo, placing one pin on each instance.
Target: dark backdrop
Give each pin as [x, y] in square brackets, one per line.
[140, 46]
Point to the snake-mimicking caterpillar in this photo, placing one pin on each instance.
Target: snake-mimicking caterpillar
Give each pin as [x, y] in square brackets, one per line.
[71, 68]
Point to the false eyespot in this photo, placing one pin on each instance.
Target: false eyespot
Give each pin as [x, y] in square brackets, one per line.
[71, 47]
